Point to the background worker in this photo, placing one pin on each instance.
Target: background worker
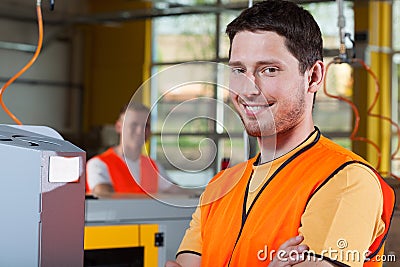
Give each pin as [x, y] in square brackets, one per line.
[123, 168]
[301, 183]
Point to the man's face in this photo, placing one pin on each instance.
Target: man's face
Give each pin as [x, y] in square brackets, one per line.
[135, 130]
[267, 88]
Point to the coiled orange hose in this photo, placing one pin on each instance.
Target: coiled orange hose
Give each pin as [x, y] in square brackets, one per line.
[353, 135]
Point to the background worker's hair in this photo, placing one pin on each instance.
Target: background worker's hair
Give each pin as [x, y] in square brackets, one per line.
[134, 106]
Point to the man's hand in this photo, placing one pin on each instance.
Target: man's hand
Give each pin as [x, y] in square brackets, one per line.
[185, 260]
[103, 190]
[285, 256]
[289, 253]
[172, 264]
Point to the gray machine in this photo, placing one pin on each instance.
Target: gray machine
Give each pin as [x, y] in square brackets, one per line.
[42, 199]
[172, 213]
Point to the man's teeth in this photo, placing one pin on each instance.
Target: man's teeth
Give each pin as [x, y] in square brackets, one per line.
[256, 108]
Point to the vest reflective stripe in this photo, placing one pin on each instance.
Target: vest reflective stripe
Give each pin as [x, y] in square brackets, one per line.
[231, 237]
[122, 179]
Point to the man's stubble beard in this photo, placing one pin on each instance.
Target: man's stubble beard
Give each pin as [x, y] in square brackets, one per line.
[278, 123]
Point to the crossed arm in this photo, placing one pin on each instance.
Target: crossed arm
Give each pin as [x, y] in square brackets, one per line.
[293, 244]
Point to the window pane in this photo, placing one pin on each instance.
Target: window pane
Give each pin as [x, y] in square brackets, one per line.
[231, 120]
[170, 81]
[184, 38]
[163, 3]
[344, 142]
[193, 123]
[326, 15]
[396, 160]
[187, 159]
[226, 18]
[194, 116]
[330, 114]
[245, 2]
[234, 149]
[396, 25]
[193, 160]
[184, 98]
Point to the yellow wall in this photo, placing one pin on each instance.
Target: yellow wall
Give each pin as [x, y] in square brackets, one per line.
[117, 58]
[374, 18]
[380, 43]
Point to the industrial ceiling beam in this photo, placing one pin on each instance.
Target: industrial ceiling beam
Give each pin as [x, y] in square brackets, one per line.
[160, 9]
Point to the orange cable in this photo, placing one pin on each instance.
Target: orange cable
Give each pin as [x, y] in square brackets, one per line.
[353, 136]
[27, 66]
[369, 113]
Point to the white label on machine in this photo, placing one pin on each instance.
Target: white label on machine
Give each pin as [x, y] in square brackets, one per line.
[63, 169]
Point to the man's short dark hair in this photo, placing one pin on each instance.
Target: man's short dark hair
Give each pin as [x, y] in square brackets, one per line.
[134, 106]
[297, 25]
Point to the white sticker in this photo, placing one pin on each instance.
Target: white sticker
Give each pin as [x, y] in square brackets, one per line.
[63, 169]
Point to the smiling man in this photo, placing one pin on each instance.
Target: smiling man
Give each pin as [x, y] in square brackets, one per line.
[302, 191]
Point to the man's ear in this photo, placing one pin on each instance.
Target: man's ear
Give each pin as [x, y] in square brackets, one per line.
[118, 126]
[316, 76]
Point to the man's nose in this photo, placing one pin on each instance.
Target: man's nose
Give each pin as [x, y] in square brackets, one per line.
[245, 84]
[250, 87]
[139, 129]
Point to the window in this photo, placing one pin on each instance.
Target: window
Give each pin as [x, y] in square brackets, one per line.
[334, 117]
[193, 128]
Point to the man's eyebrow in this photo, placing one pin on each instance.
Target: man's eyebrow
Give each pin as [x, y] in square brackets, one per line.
[258, 63]
[267, 62]
[235, 63]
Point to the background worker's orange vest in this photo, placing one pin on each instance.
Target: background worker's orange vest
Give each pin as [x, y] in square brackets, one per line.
[231, 237]
[122, 179]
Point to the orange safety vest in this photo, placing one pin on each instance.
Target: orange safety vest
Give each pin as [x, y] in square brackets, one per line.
[233, 238]
[121, 177]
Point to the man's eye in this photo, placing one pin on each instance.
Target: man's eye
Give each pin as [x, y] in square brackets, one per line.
[237, 70]
[269, 70]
